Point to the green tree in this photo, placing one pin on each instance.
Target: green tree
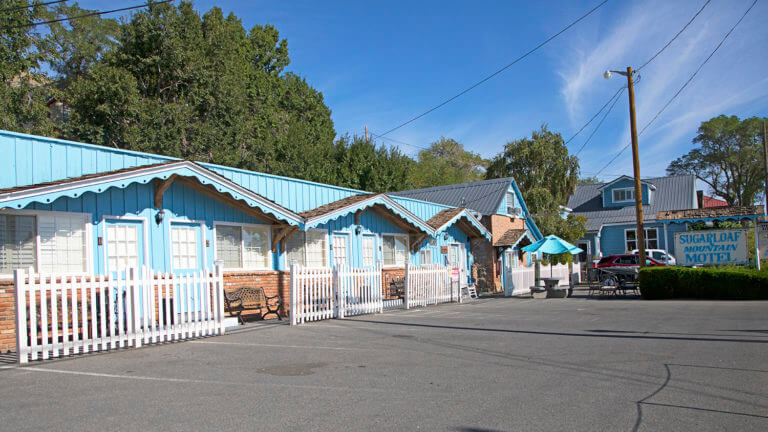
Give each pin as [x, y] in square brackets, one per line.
[546, 175]
[587, 180]
[446, 162]
[23, 90]
[541, 161]
[728, 158]
[204, 88]
[361, 164]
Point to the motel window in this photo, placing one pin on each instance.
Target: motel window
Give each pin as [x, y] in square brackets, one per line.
[369, 251]
[45, 242]
[622, 195]
[243, 246]
[309, 249]
[395, 249]
[651, 239]
[425, 256]
[184, 247]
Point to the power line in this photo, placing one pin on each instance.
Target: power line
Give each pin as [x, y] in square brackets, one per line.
[595, 116]
[616, 99]
[397, 141]
[688, 81]
[637, 70]
[473, 86]
[673, 38]
[34, 24]
[11, 9]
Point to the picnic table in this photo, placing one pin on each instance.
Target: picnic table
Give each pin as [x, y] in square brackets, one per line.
[551, 285]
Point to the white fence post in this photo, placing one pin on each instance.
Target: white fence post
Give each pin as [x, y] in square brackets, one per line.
[407, 288]
[293, 297]
[21, 315]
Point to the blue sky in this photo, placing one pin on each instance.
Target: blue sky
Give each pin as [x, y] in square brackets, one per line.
[380, 63]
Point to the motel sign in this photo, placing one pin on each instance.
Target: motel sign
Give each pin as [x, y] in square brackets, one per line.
[711, 247]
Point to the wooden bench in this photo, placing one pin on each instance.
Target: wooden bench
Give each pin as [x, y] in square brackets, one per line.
[397, 288]
[238, 300]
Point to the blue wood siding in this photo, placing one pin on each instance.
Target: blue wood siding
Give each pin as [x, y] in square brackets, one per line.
[137, 201]
[424, 210]
[612, 240]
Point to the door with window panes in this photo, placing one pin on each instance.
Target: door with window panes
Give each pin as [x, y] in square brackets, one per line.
[368, 246]
[340, 249]
[186, 247]
[124, 245]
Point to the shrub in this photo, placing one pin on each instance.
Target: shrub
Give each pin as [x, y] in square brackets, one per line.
[704, 283]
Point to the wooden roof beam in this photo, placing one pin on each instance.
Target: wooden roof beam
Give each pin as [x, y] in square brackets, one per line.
[160, 187]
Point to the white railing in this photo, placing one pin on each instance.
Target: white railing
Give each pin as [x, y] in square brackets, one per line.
[313, 294]
[519, 280]
[58, 315]
[425, 285]
[359, 290]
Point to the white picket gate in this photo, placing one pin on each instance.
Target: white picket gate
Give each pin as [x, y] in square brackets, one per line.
[425, 285]
[519, 280]
[313, 295]
[58, 315]
[359, 290]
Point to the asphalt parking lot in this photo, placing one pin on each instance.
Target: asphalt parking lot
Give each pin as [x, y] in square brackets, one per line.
[494, 364]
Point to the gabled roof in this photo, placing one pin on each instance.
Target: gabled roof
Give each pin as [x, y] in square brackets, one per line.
[462, 218]
[710, 202]
[672, 193]
[483, 196]
[345, 206]
[512, 237]
[21, 196]
[632, 179]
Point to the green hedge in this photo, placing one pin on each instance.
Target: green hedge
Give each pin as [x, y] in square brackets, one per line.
[704, 283]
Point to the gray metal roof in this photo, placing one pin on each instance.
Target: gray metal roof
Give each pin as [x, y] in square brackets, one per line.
[672, 193]
[483, 196]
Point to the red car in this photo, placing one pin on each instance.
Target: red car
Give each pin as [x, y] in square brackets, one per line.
[626, 261]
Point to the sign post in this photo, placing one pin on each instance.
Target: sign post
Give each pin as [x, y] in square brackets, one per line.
[711, 247]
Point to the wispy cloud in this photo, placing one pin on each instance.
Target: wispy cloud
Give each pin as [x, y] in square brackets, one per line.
[730, 83]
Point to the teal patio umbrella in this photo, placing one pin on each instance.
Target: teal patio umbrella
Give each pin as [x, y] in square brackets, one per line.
[552, 245]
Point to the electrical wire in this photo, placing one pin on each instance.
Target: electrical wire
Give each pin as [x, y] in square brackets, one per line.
[688, 81]
[473, 86]
[397, 141]
[11, 9]
[616, 99]
[34, 24]
[596, 114]
[673, 38]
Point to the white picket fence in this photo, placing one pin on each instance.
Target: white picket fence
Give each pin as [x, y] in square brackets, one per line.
[426, 285]
[58, 315]
[519, 280]
[325, 293]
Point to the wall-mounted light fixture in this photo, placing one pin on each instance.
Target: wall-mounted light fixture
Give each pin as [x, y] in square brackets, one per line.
[445, 236]
[358, 229]
[159, 216]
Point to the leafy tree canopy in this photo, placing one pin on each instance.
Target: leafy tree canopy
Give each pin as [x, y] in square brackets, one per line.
[728, 158]
[446, 162]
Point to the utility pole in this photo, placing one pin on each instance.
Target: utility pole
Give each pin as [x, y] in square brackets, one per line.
[765, 165]
[640, 231]
[366, 133]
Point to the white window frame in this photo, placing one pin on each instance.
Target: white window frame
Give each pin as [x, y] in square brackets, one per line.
[202, 239]
[242, 245]
[645, 239]
[87, 227]
[144, 229]
[327, 248]
[407, 250]
[423, 252]
[625, 190]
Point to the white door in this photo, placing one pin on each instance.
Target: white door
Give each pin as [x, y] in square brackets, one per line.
[340, 250]
[463, 276]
